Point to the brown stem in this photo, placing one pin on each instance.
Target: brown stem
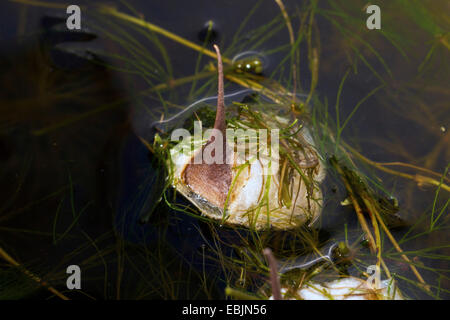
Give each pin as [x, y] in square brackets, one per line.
[420, 179]
[213, 180]
[274, 280]
[220, 124]
[399, 250]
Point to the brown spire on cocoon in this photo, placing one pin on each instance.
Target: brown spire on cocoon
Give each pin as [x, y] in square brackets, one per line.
[212, 181]
[220, 124]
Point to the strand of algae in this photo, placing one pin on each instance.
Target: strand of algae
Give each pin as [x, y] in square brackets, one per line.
[248, 83]
[292, 42]
[394, 242]
[14, 263]
[44, 4]
[240, 295]
[420, 179]
[376, 219]
[359, 212]
[113, 12]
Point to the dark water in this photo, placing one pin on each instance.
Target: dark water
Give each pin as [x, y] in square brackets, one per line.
[77, 193]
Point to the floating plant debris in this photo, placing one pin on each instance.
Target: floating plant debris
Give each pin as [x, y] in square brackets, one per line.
[345, 289]
[279, 189]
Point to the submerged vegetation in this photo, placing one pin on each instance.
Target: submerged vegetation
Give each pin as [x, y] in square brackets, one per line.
[363, 95]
